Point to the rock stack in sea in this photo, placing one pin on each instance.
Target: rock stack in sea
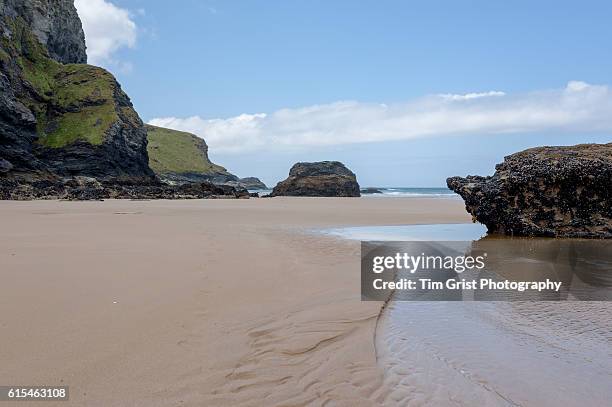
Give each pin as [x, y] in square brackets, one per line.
[545, 191]
[324, 178]
[371, 190]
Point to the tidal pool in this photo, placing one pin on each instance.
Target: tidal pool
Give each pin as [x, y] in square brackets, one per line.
[499, 353]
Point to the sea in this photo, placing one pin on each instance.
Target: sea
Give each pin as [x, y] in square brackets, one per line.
[395, 192]
[407, 192]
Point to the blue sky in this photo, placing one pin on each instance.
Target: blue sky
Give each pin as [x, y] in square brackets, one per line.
[382, 85]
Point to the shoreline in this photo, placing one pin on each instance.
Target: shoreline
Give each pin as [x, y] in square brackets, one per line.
[169, 310]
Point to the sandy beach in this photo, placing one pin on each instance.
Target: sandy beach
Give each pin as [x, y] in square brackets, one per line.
[214, 302]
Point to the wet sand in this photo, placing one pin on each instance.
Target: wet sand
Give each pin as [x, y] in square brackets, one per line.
[524, 353]
[173, 303]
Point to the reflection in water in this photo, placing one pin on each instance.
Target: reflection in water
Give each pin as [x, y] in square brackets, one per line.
[574, 270]
[495, 353]
[584, 267]
[444, 232]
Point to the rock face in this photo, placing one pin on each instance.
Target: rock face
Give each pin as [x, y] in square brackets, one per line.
[58, 116]
[325, 178]
[56, 25]
[545, 191]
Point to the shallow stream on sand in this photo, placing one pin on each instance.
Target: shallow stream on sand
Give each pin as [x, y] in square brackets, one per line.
[527, 353]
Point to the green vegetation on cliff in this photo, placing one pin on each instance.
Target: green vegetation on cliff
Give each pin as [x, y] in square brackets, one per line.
[86, 93]
[71, 102]
[177, 152]
[4, 56]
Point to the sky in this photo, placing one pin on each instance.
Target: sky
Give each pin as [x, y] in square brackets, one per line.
[405, 93]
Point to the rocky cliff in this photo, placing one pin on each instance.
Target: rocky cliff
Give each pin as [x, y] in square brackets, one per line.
[58, 116]
[545, 191]
[54, 23]
[181, 157]
[325, 178]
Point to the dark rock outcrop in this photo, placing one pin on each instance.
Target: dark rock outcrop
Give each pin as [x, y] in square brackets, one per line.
[545, 191]
[85, 188]
[5, 166]
[251, 183]
[60, 120]
[325, 178]
[189, 177]
[371, 191]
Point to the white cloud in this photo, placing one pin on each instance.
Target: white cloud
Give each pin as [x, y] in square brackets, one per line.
[107, 29]
[469, 96]
[579, 107]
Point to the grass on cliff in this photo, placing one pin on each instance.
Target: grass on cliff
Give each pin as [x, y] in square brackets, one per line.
[86, 93]
[4, 56]
[172, 151]
[72, 102]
